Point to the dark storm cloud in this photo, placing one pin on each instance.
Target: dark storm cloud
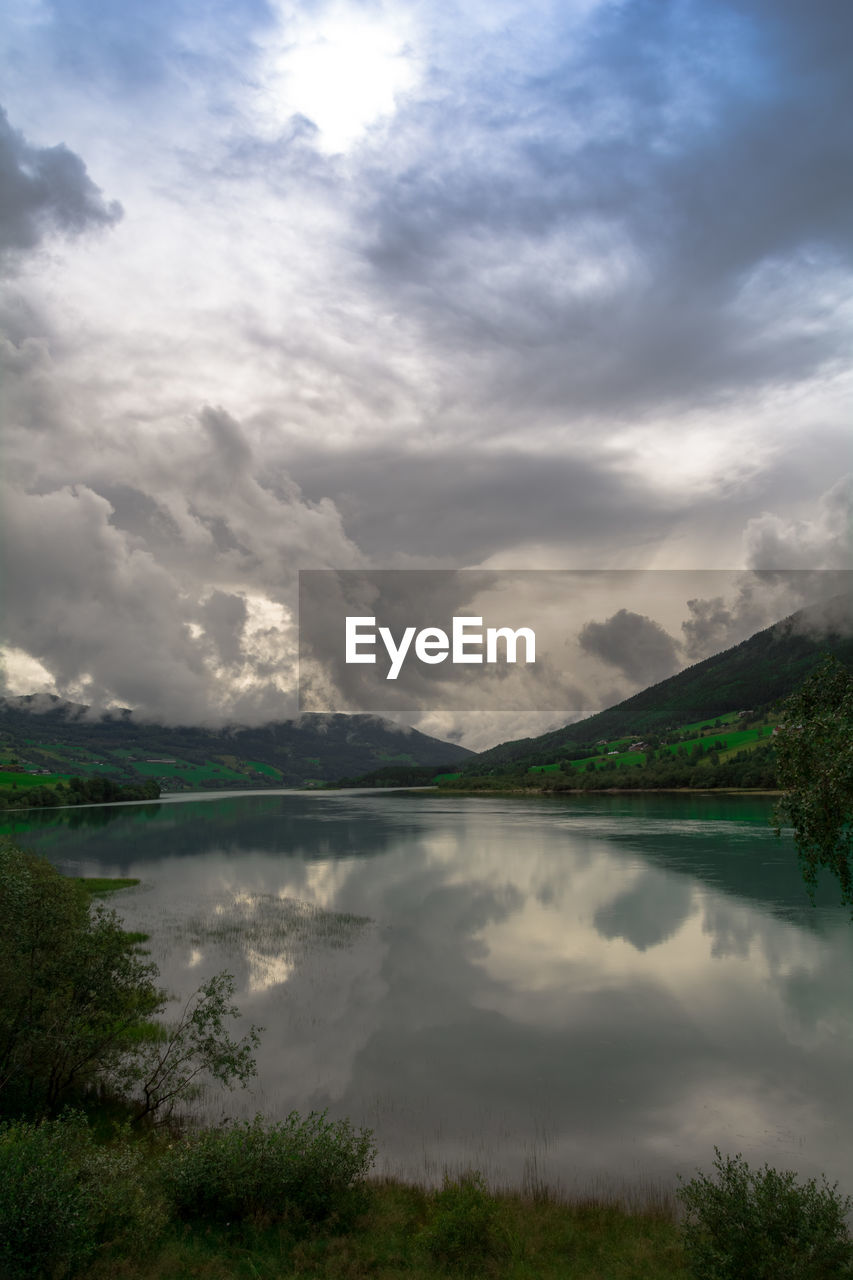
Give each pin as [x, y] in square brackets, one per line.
[636, 229]
[451, 504]
[637, 645]
[44, 189]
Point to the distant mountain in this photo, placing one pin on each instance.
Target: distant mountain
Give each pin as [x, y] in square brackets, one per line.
[753, 675]
[47, 733]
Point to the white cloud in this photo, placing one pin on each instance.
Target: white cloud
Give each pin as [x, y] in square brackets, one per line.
[778, 541]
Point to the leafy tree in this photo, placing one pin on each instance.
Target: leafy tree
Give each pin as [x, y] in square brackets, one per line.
[166, 1068]
[77, 998]
[73, 986]
[815, 768]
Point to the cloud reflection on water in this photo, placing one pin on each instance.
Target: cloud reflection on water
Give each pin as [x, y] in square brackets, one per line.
[542, 984]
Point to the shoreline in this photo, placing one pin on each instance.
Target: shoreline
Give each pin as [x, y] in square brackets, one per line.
[604, 791]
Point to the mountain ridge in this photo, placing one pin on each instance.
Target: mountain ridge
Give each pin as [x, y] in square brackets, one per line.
[61, 737]
[757, 672]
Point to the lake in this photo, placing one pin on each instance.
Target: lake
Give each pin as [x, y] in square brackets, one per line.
[588, 992]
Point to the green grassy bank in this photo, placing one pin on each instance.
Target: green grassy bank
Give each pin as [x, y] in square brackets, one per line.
[407, 1231]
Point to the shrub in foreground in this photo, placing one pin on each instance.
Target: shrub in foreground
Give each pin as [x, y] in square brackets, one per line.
[465, 1231]
[765, 1225]
[310, 1169]
[77, 1002]
[63, 1198]
[74, 988]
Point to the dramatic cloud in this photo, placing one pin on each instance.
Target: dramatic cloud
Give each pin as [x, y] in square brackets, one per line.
[778, 542]
[627, 239]
[638, 646]
[469, 506]
[399, 287]
[796, 563]
[45, 188]
[181, 604]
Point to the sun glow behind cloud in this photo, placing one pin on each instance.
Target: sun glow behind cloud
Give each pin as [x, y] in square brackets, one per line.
[343, 70]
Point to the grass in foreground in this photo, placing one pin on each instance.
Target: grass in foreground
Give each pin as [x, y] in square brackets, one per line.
[291, 1201]
[409, 1232]
[274, 1201]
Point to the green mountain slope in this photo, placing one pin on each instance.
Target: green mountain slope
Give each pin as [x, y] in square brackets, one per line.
[56, 737]
[752, 675]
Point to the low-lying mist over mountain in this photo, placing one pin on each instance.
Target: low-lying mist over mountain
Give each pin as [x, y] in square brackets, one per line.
[60, 737]
[45, 733]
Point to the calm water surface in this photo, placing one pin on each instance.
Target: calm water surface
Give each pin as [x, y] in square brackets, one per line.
[585, 990]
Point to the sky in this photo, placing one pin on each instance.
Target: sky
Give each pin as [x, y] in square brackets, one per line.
[408, 285]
